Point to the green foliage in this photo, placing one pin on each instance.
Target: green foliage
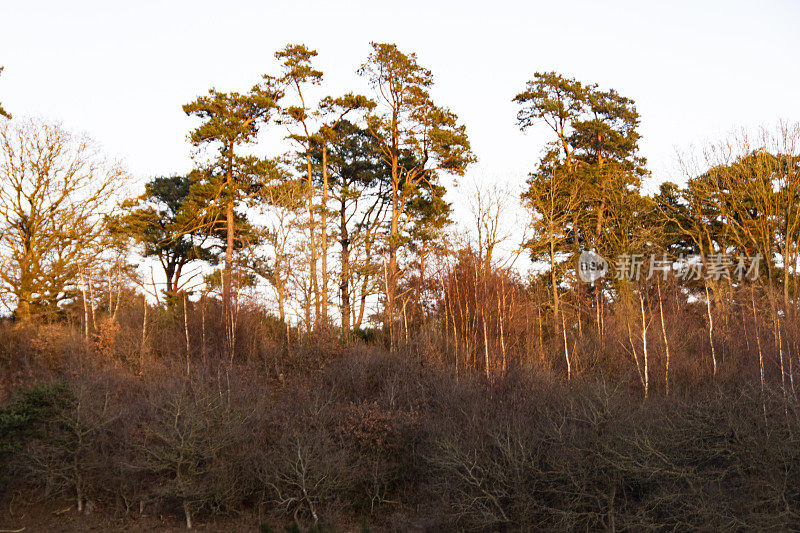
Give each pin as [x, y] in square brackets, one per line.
[26, 414]
[231, 119]
[296, 72]
[550, 97]
[368, 335]
[585, 192]
[167, 222]
[3, 112]
[417, 140]
[229, 122]
[407, 124]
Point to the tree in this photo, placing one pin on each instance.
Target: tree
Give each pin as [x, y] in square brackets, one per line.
[54, 193]
[285, 200]
[551, 198]
[490, 205]
[606, 147]
[357, 179]
[297, 72]
[589, 178]
[426, 235]
[553, 192]
[595, 133]
[555, 100]
[755, 192]
[332, 112]
[3, 112]
[417, 139]
[166, 222]
[230, 121]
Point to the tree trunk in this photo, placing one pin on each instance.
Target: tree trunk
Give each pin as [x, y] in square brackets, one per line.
[391, 275]
[553, 280]
[324, 225]
[281, 290]
[644, 348]
[760, 354]
[344, 287]
[500, 310]
[143, 345]
[394, 236]
[186, 333]
[711, 331]
[203, 330]
[566, 347]
[85, 306]
[312, 242]
[92, 304]
[664, 334]
[188, 514]
[229, 242]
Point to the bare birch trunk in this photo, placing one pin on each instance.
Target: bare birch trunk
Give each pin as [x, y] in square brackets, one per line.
[644, 348]
[664, 335]
[143, 346]
[186, 334]
[711, 330]
[85, 307]
[760, 354]
[188, 514]
[500, 310]
[324, 225]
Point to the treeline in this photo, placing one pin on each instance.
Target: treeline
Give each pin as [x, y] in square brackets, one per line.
[350, 229]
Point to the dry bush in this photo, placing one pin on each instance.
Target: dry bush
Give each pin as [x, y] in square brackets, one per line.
[77, 447]
[304, 469]
[31, 352]
[194, 443]
[591, 460]
[105, 339]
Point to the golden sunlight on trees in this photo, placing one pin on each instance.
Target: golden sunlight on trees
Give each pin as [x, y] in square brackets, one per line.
[320, 327]
[418, 140]
[55, 192]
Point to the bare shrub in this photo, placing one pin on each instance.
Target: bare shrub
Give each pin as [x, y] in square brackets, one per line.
[72, 455]
[194, 443]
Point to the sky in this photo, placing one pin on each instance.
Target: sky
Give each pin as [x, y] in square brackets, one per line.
[120, 71]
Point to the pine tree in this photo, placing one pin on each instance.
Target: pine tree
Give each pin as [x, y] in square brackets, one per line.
[230, 121]
[166, 222]
[409, 128]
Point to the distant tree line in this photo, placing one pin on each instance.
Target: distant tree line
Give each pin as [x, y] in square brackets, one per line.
[350, 228]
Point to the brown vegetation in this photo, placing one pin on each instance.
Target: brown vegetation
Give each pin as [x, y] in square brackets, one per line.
[319, 433]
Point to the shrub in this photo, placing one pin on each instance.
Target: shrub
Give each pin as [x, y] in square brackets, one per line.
[24, 419]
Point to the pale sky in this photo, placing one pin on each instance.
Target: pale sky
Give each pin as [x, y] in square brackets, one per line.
[121, 71]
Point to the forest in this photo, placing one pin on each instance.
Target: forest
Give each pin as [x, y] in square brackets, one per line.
[308, 341]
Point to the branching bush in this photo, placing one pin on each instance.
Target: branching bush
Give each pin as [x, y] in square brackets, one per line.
[194, 444]
[74, 451]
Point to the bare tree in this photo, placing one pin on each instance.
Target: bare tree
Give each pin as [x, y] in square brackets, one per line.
[54, 193]
[490, 206]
